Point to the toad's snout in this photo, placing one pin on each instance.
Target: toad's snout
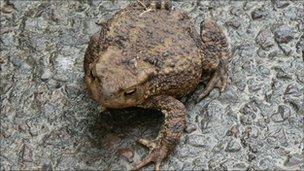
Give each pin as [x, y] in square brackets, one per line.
[107, 95]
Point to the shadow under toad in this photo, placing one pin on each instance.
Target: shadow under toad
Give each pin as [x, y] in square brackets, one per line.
[120, 128]
[117, 131]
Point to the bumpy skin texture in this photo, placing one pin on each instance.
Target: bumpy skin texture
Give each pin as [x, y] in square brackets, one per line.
[147, 56]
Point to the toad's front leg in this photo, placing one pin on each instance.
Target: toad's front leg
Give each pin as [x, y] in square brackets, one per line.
[216, 55]
[174, 124]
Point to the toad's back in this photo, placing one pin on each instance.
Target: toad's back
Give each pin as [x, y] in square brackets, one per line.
[163, 40]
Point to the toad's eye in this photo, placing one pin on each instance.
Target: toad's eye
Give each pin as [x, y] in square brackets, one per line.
[130, 92]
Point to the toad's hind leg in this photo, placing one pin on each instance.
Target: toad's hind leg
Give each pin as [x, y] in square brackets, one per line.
[157, 4]
[174, 124]
[216, 55]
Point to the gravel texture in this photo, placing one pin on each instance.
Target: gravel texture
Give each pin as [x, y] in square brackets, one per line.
[49, 122]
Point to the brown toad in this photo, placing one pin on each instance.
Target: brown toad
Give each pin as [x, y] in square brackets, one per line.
[147, 56]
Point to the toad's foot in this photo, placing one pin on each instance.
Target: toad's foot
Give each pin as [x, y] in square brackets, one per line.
[218, 80]
[157, 154]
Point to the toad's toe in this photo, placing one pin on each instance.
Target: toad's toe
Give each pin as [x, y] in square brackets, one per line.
[218, 80]
[156, 155]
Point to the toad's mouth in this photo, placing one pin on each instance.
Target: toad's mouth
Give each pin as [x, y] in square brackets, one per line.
[117, 103]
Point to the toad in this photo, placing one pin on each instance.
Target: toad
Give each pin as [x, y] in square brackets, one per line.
[149, 55]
